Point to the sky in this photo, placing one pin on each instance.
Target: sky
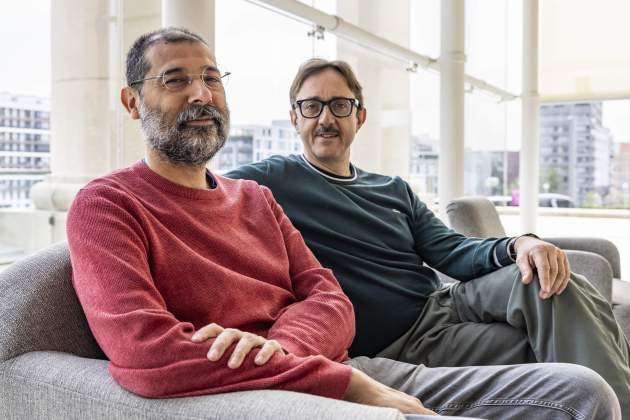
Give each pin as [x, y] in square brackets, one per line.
[258, 89]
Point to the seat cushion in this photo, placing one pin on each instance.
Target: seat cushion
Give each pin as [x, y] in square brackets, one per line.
[53, 385]
[621, 292]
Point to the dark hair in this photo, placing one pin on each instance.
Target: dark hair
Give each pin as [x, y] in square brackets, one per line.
[137, 65]
[316, 65]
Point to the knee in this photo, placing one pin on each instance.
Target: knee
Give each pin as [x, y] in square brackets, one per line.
[597, 398]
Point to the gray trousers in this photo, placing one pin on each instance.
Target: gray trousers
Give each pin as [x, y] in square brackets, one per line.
[538, 391]
[497, 320]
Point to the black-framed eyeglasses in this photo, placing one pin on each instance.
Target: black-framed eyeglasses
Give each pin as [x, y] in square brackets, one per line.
[178, 79]
[339, 107]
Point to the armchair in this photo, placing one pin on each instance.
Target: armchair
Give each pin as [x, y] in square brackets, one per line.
[596, 258]
[51, 367]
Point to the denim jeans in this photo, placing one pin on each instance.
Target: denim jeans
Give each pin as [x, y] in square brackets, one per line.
[537, 391]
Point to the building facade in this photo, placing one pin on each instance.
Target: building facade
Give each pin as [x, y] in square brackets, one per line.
[252, 143]
[423, 165]
[24, 147]
[238, 150]
[620, 176]
[280, 138]
[576, 151]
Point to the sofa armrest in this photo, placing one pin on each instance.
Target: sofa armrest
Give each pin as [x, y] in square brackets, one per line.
[63, 386]
[599, 246]
[595, 268]
[39, 309]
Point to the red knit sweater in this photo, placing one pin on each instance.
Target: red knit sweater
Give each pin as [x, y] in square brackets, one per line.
[153, 261]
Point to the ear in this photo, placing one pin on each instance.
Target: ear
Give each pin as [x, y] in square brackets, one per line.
[129, 98]
[361, 116]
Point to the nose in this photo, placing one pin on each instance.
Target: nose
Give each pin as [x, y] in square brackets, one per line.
[326, 117]
[199, 93]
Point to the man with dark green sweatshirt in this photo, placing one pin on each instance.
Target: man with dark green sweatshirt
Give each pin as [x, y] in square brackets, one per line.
[517, 301]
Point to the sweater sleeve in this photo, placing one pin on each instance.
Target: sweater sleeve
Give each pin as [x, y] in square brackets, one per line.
[150, 351]
[257, 171]
[452, 253]
[322, 320]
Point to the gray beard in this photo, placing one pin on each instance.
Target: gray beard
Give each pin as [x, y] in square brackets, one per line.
[180, 144]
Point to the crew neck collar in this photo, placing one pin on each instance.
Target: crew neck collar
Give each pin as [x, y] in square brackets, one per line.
[168, 186]
[330, 175]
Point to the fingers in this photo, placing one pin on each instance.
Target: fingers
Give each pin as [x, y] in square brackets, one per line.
[527, 272]
[552, 267]
[561, 273]
[552, 258]
[541, 262]
[268, 349]
[222, 342]
[245, 342]
[567, 271]
[207, 332]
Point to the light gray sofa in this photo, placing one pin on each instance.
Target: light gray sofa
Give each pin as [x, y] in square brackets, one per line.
[596, 258]
[52, 368]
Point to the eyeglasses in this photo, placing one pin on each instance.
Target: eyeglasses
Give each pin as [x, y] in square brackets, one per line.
[340, 107]
[176, 80]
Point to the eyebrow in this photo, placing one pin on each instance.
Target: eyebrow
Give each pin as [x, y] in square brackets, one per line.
[181, 69]
[318, 98]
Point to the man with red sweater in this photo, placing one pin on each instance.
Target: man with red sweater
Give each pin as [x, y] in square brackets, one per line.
[197, 284]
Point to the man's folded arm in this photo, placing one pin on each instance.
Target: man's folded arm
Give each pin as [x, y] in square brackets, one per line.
[322, 321]
[150, 351]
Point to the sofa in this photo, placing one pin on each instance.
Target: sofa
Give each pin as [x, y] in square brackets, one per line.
[596, 258]
[52, 368]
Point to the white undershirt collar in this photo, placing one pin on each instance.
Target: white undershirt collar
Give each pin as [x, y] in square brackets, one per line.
[334, 178]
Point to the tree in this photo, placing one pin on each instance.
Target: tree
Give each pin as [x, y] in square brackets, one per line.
[552, 179]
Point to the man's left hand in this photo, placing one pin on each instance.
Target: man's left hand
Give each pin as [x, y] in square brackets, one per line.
[550, 262]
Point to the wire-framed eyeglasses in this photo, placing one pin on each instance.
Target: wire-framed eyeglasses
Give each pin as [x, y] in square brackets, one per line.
[177, 79]
[339, 107]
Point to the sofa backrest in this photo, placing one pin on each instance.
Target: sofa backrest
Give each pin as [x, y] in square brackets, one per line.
[39, 309]
[475, 216]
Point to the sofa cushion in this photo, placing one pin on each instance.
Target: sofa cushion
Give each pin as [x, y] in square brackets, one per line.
[54, 385]
[39, 308]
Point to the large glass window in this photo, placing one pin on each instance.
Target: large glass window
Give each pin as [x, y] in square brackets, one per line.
[492, 130]
[585, 154]
[258, 90]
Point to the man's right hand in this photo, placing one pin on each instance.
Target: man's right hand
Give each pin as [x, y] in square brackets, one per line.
[365, 390]
[225, 337]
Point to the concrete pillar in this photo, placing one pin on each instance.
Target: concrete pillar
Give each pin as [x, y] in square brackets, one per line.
[138, 17]
[530, 146]
[452, 62]
[194, 15]
[383, 143]
[82, 106]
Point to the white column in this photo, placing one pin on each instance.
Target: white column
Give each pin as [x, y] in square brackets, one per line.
[382, 145]
[138, 17]
[194, 15]
[452, 62]
[82, 109]
[530, 147]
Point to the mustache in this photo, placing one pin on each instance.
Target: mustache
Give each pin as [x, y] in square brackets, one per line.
[326, 130]
[195, 112]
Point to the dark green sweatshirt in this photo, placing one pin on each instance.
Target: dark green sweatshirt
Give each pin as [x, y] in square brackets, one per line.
[375, 234]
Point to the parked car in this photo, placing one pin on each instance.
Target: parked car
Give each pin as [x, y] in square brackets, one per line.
[555, 200]
[544, 200]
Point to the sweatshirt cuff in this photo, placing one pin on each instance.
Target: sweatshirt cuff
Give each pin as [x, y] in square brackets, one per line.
[500, 252]
[337, 386]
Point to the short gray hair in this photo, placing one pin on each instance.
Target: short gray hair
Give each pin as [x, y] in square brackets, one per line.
[137, 65]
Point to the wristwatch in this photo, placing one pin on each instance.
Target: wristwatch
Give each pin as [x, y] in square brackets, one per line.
[511, 249]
